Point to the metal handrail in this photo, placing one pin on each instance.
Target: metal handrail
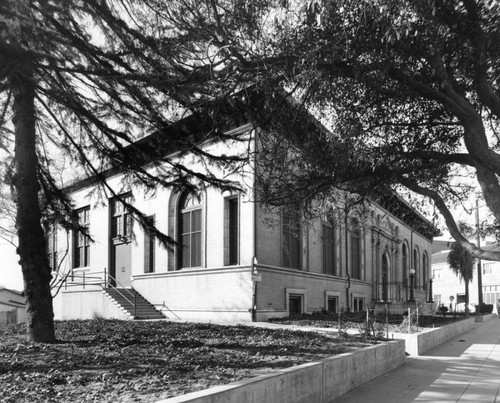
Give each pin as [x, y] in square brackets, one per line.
[133, 295]
[104, 282]
[168, 309]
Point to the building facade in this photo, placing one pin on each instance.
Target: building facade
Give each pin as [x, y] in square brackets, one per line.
[235, 260]
[12, 306]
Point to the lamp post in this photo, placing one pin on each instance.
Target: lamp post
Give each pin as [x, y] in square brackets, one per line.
[412, 275]
[479, 269]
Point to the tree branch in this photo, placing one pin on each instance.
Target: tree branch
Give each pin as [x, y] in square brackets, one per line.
[450, 222]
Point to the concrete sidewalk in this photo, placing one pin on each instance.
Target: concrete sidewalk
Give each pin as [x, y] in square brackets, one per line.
[463, 369]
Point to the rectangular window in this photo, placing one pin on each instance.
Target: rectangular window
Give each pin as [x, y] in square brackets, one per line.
[355, 254]
[121, 220]
[149, 249]
[328, 249]
[436, 274]
[333, 303]
[294, 305]
[51, 239]
[488, 268]
[359, 304]
[231, 231]
[191, 238]
[291, 240]
[81, 240]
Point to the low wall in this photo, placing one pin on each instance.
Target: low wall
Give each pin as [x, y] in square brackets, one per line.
[88, 304]
[485, 318]
[319, 382]
[420, 343]
[200, 295]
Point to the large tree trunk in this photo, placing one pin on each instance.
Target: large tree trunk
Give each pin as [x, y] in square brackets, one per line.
[31, 249]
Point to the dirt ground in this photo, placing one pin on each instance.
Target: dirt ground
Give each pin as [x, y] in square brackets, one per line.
[132, 361]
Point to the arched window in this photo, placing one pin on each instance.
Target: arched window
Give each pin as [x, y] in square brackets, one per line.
[190, 230]
[329, 248]
[404, 257]
[291, 234]
[416, 267]
[385, 277]
[231, 230]
[425, 269]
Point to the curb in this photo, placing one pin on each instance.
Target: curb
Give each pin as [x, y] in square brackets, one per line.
[320, 381]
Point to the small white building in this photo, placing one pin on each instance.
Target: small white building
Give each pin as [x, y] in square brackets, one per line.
[12, 306]
[233, 265]
[447, 284]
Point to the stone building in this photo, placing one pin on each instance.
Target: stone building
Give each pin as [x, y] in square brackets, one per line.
[234, 265]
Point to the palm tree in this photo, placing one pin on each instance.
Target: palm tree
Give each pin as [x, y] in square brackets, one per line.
[461, 262]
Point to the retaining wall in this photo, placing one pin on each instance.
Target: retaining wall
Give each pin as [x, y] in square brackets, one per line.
[420, 343]
[485, 318]
[88, 304]
[319, 382]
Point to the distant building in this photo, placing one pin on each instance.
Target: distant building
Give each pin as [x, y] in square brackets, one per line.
[447, 284]
[12, 306]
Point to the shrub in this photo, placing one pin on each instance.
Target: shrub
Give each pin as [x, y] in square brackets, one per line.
[486, 308]
[443, 309]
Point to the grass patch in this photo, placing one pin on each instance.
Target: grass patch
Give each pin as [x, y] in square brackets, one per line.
[122, 361]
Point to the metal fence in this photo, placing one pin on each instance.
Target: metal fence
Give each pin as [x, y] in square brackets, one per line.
[376, 324]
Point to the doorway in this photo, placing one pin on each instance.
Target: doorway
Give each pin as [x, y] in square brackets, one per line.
[121, 244]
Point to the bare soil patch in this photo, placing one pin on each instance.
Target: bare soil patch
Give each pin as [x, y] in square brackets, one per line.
[127, 361]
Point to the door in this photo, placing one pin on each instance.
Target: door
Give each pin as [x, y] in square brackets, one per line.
[121, 243]
[122, 257]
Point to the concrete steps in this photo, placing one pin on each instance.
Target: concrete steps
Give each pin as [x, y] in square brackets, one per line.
[124, 297]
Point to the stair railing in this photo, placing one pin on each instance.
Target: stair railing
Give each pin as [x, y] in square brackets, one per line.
[104, 281]
[132, 295]
[162, 307]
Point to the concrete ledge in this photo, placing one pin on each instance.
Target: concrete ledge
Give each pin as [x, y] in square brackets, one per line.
[485, 318]
[320, 381]
[420, 343]
[89, 304]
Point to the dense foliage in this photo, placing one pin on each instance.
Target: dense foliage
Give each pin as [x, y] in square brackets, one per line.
[409, 90]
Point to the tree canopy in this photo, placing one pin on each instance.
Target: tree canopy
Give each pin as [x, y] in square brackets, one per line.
[409, 90]
[415, 85]
[461, 262]
[86, 78]
[405, 94]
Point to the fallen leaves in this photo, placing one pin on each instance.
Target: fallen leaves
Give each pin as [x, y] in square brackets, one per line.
[122, 361]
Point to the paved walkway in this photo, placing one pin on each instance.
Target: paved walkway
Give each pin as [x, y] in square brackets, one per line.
[463, 369]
